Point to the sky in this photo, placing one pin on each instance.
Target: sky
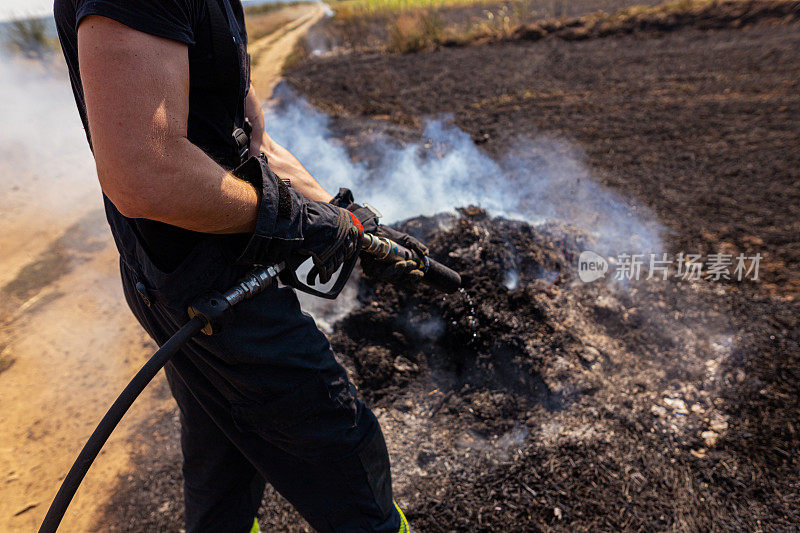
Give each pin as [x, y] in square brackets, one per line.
[10, 9]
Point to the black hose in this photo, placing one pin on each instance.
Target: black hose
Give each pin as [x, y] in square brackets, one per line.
[95, 443]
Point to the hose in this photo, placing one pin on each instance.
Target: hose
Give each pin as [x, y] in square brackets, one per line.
[106, 426]
[208, 314]
[434, 273]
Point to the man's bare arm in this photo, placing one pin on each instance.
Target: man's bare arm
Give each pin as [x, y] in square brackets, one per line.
[137, 100]
[281, 161]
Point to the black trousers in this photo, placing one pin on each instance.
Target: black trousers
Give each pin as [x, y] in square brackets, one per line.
[265, 401]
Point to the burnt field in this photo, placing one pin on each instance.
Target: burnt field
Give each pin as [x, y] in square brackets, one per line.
[702, 127]
[533, 401]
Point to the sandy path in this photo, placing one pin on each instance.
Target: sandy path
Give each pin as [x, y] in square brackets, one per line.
[65, 330]
[74, 347]
[68, 343]
[270, 52]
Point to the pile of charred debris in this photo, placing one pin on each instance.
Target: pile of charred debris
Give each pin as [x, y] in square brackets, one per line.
[531, 399]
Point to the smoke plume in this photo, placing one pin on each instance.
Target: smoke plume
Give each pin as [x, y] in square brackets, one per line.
[539, 180]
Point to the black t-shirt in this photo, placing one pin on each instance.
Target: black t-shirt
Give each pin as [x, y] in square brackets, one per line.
[213, 112]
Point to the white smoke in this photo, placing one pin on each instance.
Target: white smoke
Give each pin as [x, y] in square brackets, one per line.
[49, 178]
[539, 180]
[329, 12]
[43, 148]
[46, 168]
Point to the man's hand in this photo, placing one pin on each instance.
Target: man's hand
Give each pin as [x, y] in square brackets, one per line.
[395, 271]
[332, 237]
[291, 227]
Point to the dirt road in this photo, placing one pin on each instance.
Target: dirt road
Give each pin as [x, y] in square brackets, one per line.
[68, 343]
[270, 52]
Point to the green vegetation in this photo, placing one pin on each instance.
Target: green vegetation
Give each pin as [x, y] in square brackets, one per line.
[30, 38]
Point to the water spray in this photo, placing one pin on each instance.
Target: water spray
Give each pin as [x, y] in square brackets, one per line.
[209, 314]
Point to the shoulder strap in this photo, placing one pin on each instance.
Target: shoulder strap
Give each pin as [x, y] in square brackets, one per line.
[226, 57]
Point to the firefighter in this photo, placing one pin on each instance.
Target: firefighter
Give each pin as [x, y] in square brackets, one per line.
[163, 90]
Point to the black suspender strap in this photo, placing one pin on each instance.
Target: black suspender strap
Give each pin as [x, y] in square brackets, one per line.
[226, 60]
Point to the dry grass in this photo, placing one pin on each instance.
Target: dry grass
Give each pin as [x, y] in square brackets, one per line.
[368, 8]
[499, 22]
[413, 26]
[428, 28]
[412, 32]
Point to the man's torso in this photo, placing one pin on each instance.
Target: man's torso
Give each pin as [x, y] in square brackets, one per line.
[216, 98]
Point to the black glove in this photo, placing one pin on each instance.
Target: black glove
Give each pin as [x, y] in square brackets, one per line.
[331, 236]
[394, 271]
[290, 227]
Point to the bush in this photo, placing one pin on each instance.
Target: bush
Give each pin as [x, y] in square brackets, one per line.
[30, 38]
[413, 32]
